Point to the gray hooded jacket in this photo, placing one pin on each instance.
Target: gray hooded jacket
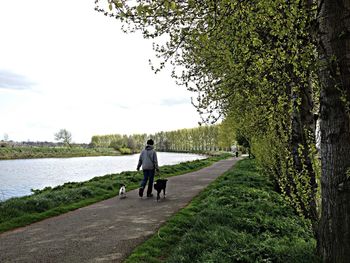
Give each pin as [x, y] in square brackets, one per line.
[148, 159]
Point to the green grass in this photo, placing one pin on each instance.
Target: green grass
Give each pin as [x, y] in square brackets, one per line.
[7, 153]
[238, 218]
[48, 202]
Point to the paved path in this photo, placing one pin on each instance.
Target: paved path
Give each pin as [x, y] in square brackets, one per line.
[106, 231]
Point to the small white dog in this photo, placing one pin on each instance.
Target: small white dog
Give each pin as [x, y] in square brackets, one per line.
[122, 191]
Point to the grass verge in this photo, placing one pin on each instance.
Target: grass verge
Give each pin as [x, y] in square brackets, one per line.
[49, 202]
[238, 218]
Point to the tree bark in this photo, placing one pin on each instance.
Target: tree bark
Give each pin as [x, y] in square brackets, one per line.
[334, 49]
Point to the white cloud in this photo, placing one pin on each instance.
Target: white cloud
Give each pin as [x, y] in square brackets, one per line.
[85, 75]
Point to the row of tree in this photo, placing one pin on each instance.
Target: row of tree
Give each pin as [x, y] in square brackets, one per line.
[204, 138]
[273, 68]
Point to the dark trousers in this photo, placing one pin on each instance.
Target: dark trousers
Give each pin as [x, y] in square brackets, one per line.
[148, 175]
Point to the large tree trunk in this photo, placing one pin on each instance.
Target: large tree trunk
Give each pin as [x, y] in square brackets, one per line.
[334, 48]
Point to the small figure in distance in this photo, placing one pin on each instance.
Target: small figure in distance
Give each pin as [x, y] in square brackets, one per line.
[234, 150]
[149, 162]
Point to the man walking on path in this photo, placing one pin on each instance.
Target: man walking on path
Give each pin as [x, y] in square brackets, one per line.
[149, 162]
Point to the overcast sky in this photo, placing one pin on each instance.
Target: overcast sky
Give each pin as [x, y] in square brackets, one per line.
[64, 65]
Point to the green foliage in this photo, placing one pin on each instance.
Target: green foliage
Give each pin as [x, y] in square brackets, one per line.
[125, 151]
[241, 140]
[44, 203]
[134, 142]
[201, 139]
[274, 158]
[238, 218]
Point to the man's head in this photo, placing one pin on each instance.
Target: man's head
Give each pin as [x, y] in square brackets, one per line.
[150, 142]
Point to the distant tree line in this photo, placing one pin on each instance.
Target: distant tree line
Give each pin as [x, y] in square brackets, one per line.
[203, 138]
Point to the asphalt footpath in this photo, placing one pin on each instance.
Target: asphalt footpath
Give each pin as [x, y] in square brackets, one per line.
[109, 230]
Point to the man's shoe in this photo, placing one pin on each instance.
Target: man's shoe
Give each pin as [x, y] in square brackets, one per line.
[149, 195]
[141, 192]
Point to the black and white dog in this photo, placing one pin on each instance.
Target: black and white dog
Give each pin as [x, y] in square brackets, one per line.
[122, 191]
[160, 185]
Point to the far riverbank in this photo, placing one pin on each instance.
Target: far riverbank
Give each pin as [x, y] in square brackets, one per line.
[31, 152]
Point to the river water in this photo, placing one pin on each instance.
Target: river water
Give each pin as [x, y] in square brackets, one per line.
[18, 177]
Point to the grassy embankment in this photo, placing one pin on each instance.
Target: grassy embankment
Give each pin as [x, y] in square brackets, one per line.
[49, 202]
[238, 218]
[7, 153]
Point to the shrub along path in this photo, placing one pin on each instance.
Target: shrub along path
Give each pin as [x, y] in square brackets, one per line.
[106, 231]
